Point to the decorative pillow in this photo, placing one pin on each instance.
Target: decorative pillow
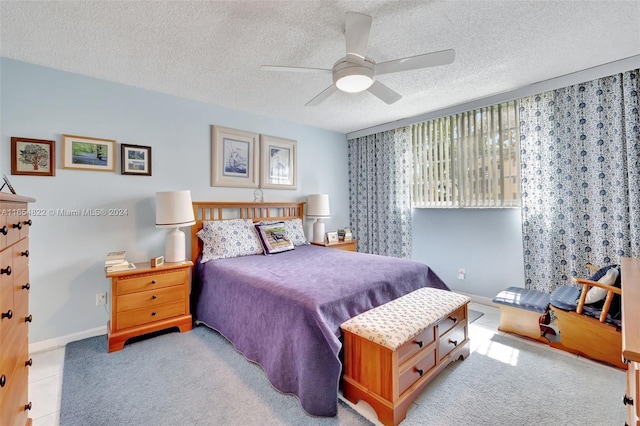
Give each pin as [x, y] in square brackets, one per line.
[223, 239]
[295, 232]
[274, 237]
[596, 294]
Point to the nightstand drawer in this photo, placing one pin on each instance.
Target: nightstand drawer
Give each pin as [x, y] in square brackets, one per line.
[150, 281]
[150, 314]
[151, 298]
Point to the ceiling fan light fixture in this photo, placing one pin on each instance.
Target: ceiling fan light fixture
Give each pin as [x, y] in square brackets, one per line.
[352, 78]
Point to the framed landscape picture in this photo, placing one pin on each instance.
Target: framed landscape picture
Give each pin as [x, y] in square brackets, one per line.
[234, 158]
[135, 160]
[33, 157]
[278, 162]
[85, 153]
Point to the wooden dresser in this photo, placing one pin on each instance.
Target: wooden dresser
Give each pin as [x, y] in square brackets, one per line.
[146, 299]
[631, 336]
[14, 309]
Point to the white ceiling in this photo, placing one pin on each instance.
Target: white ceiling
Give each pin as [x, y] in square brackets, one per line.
[211, 51]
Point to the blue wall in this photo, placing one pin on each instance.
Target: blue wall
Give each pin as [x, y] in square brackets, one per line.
[68, 252]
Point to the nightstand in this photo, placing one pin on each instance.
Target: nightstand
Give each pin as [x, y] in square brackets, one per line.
[146, 299]
[341, 245]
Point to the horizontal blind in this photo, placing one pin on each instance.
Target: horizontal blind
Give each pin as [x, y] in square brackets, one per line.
[471, 159]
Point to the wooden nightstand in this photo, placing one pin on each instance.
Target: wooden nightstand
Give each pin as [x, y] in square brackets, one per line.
[341, 245]
[146, 299]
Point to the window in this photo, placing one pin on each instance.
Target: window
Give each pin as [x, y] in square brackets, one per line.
[471, 159]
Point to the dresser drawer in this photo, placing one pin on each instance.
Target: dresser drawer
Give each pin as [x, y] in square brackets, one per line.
[6, 268]
[452, 320]
[151, 298]
[150, 281]
[415, 345]
[12, 405]
[412, 373]
[20, 256]
[150, 314]
[451, 340]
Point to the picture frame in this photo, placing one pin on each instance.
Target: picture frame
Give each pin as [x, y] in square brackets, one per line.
[278, 162]
[7, 184]
[135, 160]
[332, 237]
[33, 157]
[86, 153]
[234, 157]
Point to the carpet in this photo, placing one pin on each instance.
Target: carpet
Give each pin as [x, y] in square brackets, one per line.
[474, 315]
[198, 378]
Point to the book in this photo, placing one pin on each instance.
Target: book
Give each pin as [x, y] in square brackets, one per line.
[116, 263]
[124, 267]
[115, 257]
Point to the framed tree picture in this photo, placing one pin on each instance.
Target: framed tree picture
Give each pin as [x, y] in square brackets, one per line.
[278, 162]
[135, 160]
[234, 158]
[33, 157]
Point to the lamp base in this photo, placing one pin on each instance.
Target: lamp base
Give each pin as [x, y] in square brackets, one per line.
[318, 231]
[174, 249]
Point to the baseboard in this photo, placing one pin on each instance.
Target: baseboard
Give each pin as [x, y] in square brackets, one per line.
[478, 299]
[58, 342]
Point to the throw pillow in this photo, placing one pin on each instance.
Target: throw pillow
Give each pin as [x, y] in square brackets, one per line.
[274, 237]
[223, 239]
[596, 294]
[295, 232]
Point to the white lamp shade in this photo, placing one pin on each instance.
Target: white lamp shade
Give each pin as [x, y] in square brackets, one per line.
[318, 206]
[174, 209]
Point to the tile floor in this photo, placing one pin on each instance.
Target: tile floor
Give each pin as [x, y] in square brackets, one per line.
[45, 377]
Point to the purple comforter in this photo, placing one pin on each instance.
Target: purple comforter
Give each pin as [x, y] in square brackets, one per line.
[284, 311]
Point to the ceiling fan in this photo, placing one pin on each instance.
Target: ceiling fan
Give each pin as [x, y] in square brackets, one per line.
[356, 73]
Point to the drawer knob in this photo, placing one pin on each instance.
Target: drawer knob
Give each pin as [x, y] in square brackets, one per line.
[3, 381]
[453, 342]
[418, 342]
[153, 281]
[419, 371]
[626, 400]
[8, 314]
[27, 286]
[6, 270]
[17, 225]
[454, 319]
[25, 253]
[28, 319]
[28, 222]
[154, 297]
[28, 363]
[27, 407]
[153, 314]
[4, 230]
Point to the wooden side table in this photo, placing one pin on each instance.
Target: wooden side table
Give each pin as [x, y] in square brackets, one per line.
[341, 245]
[146, 299]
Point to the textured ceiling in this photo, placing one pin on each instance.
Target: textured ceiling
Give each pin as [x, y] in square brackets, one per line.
[211, 51]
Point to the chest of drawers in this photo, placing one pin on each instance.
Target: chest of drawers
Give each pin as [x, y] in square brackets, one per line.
[14, 310]
[146, 299]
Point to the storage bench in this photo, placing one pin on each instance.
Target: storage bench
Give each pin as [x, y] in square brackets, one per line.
[520, 311]
[393, 351]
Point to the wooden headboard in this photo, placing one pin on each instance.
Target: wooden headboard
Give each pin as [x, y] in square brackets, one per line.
[257, 211]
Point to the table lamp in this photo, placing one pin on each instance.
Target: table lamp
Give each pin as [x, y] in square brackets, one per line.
[318, 208]
[174, 210]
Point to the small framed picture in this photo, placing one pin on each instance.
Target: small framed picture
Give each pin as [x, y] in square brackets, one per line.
[33, 157]
[85, 153]
[7, 184]
[332, 237]
[135, 160]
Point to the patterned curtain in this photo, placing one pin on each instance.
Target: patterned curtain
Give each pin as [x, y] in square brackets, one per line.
[580, 178]
[379, 192]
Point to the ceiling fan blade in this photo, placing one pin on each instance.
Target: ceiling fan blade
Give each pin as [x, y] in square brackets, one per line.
[434, 59]
[322, 96]
[357, 28]
[383, 92]
[294, 69]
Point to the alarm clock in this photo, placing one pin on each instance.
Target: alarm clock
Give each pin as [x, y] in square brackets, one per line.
[157, 261]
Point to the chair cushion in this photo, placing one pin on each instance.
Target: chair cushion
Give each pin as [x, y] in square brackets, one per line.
[524, 298]
[566, 297]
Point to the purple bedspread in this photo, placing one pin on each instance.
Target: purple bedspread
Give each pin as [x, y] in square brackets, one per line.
[284, 311]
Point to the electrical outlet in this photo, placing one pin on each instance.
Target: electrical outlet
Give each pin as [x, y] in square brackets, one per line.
[461, 273]
[101, 299]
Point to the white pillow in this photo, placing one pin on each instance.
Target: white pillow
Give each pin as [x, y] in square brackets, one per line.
[295, 232]
[597, 294]
[223, 239]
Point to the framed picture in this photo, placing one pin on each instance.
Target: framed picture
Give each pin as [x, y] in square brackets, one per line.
[278, 162]
[234, 158]
[332, 237]
[7, 184]
[135, 160]
[33, 157]
[85, 153]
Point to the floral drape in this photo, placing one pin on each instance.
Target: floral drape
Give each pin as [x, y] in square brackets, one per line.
[580, 178]
[379, 192]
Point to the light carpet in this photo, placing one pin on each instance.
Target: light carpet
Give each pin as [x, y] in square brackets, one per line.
[198, 378]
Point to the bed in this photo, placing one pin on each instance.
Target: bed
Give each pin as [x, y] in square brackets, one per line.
[284, 311]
